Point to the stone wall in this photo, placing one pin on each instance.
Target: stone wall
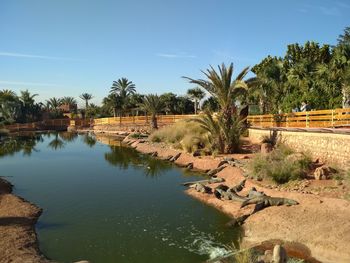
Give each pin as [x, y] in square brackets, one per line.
[328, 147]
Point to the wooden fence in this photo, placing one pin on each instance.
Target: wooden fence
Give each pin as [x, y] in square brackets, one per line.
[309, 119]
[141, 120]
[40, 125]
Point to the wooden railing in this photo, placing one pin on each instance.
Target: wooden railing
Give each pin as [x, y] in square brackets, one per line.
[140, 120]
[309, 119]
[40, 125]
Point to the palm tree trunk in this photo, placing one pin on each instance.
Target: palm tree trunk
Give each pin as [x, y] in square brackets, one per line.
[346, 97]
[154, 123]
[86, 104]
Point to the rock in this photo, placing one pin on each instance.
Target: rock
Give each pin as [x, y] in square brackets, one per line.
[279, 255]
[322, 173]
[82, 261]
[266, 148]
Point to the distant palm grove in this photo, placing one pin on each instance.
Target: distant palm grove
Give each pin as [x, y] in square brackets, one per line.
[310, 73]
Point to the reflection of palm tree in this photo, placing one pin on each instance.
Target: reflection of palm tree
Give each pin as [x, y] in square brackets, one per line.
[154, 167]
[122, 157]
[25, 143]
[89, 140]
[56, 143]
[68, 136]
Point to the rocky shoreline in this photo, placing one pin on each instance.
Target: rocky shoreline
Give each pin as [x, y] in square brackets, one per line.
[18, 242]
[317, 230]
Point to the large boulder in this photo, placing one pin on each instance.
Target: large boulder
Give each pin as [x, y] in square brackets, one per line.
[323, 172]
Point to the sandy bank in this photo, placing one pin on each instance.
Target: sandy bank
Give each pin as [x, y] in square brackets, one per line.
[18, 241]
[320, 223]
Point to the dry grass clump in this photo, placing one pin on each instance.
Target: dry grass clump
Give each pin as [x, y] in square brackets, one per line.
[186, 135]
[281, 165]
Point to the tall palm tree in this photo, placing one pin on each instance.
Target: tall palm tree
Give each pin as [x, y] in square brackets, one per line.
[86, 97]
[112, 102]
[152, 104]
[222, 86]
[196, 94]
[69, 101]
[124, 89]
[28, 106]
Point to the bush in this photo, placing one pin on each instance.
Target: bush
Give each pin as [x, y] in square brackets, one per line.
[185, 135]
[281, 165]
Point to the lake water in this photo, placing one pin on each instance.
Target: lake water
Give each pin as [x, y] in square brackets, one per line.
[108, 203]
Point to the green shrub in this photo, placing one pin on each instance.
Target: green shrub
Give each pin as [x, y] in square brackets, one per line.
[186, 135]
[281, 165]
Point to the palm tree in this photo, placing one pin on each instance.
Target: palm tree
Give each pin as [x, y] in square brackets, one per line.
[226, 90]
[196, 94]
[54, 106]
[28, 107]
[112, 103]
[124, 89]
[86, 97]
[152, 104]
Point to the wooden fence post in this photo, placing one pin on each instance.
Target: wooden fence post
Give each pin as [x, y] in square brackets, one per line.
[307, 120]
[332, 119]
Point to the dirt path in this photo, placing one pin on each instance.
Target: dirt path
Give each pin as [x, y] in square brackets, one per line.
[18, 241]
[320, 224]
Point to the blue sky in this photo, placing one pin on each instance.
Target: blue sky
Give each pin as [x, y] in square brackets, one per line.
[67, 47]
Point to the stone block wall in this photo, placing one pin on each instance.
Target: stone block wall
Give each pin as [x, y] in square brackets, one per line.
[328, 147]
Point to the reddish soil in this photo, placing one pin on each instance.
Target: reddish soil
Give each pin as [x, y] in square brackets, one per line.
[18, 242]
[320, 223]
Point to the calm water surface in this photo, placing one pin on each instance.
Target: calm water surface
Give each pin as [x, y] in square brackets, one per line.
[108, 203]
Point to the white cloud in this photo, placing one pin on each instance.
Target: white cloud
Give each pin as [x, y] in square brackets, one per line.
[175, 55]
[20, 55]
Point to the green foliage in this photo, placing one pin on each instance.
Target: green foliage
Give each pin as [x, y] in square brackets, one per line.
[316, 74]
[281, 165]
[186, 135]
[152, 104]
[196, 94]
[227, 128]
[86, 97]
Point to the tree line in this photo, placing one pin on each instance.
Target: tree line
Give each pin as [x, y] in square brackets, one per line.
[311, 73]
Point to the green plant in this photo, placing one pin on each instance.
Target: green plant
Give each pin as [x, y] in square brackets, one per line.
[152, 104]
[281, 165]
[226, 128]
[186, 135]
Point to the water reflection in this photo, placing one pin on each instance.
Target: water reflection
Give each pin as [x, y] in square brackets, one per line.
[56, 143]
[24, 143]
[68, 136]
[123, 157]
[89, 140]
